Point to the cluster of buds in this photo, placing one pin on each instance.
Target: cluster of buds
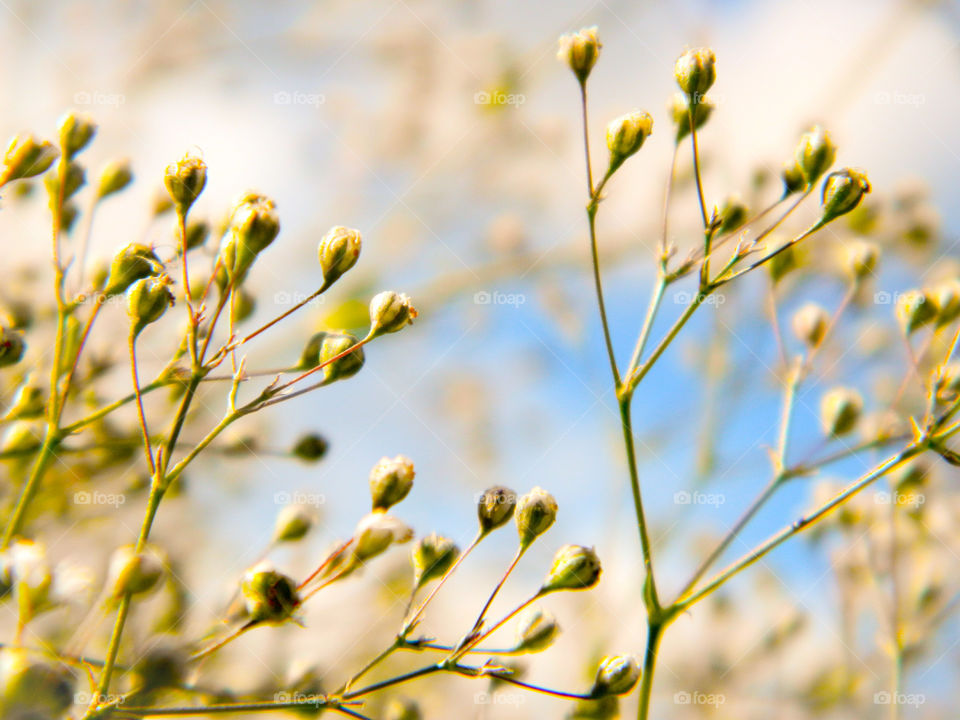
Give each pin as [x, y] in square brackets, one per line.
[254, 225]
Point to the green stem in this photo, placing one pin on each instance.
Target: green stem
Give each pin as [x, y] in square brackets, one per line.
[626, 424]
[654, 635]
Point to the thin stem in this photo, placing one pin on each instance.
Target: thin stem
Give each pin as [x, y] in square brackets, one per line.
[654, 306]
[406, 677]
[538, 688]
[408, 625]
[626, 424]
[132, 342]
[654, 634]
[496, 590]
[691, 105]
[280, 317]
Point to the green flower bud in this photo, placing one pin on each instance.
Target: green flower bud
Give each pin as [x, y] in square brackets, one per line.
[74, 178]
[861, 259]
[535, 513]
[815, 154]
[617, 675]
[731, 215]
[147, 301]
[162, 666]
[574, 568]
[28, 402]
[22, 437]
[242, 306]
[495, 508]
[840, 408]
[432, 556]
[33, 689]
[537, 631]
[376, 532]
[792, 176]
[580, 51]
[810, 324]
[32, 578]
[390, 481]
[310, 447]
[604, 708]
[133, 572]
[269, 596]
[197, 233]
[133, 263]
[947, 301]
[185, 181]
[679, 109]
[695, 72]
[338, 252]
[293, 522]
[915, 309]
[948, 384]
[68, 216]
[331, 345]
[253, 226]
[76, 131]
[626, 134]
[403, 709]
[390, 312]
[842, 192]
[114, 177]
[27, 157]
[12, 346]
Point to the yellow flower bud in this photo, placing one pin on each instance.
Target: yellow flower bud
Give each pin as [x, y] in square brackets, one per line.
[133, 572]
[815, 154]
[134, 262]
[580, 51]
[185, 181]
[536, 631]
[626, 134]
[616, 675]
[390, 312]
[26, 157]
[197, 233]
[534, 514]
[376, 532]
[28, 402]
[948, 384]
[792, 176]
[147, 301]
[575, 567]
[947, 301]
[495, 508]
[269, 596]
[22, 437]
[114, 177]
[432, 557]
[338, 252]
[810, 324]
[680, 113]
[76, 131]
[12, 346]
[293, 523]
[390, 481]
[242, 305]
[915, 309]
[842, 192]
[840, 408]
[74, 178]
[695, 72]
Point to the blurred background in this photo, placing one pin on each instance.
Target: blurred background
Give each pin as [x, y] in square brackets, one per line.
[447, 132]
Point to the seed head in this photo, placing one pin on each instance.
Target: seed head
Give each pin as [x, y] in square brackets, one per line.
[840, 408]
[575, 567]
[390, 481]
[390, 312]
[338, 252]
[495, 508]
[535, 513]
[185, 181]
[432, 556]
[695, 72]
[580, 51]
[617, 675]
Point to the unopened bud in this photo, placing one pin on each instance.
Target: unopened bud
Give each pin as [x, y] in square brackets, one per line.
[310, 447]
[792, 177]
[810, 324]
[495, 508]
[293, 522]
[12, 346]
[731, 215]
[432, 557]
[29, 402]
[185, 181]
[254, 225]
[680, 113]
[376, 532]
[842, 192]
[617, 675]
[338, 252]
[390, 481]
[269, 596]
[695, 72]
[861, 258]
[626, 134]
[840, 409]
[26, 157]
[534, 514]
[133, 572]
[76, 131]
[197, 233]
[147, 301]
[242, 305]
[33, 688]
[22, 437]
[330, 346]
[915, 309]
[948, 383]
[575, 567]
[132, 263]
[947, 300]
[74, 178]
[114, 177]
[580, 51]
[814, 154]
[390, 312]
[537, 631]
[162, 666]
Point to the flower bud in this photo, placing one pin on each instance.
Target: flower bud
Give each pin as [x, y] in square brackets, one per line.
[242, 306]
[792, 177]
[12, 346]
[338, 252]
[495, 508]
[580, 51]
[840, 409]
[810, 324]
[680, 113]
[74, 178]
[403, 709]
[626, 134]
[390, 312]
[76, 131]
[26, 157]
[815, 154]
[915, 309]
[269, 596]
[390, 481]
[162, 666]
[948, 384]
[537, 631]
[114, 177]
[617, 675]
[185, 181]
[842, 192]
[695, 72]
[33, 689]
[310, 447]
[376, 532]
[535, 513]
[22, 437]
[432, 557]
[133, 572]
[293, 522]
[134, 262]
[147, 301]
[731, 215]
[28, 402]
[255, 221]
[332, 344]
[574, 568]
[197, 233]
[782, 264]
[861, 258]
[947, 301]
